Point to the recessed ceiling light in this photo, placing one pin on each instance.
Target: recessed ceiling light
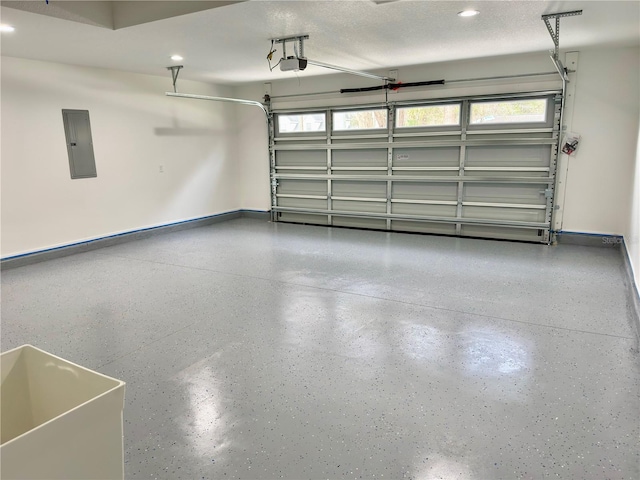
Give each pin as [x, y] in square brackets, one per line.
[468, 13]
[6, 28]
[176, 58]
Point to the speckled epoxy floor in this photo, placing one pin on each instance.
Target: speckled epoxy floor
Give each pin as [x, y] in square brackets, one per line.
[258, 350]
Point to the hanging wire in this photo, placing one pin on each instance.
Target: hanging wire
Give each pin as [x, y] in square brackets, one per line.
[271, 68]
[270, 57]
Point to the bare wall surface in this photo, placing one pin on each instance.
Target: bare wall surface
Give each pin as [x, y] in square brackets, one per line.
[252, 140]
[632, 232]
[159, 160]
[607, 103]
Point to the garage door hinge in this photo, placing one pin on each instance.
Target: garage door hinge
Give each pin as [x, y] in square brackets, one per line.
[548, 193]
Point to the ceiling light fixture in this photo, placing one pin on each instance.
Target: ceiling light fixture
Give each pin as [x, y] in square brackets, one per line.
[176, 58]
[7, 28]
[468, 13]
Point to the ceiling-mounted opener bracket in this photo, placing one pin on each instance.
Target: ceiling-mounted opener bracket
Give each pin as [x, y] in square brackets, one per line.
[298, 50]
[555, 36]
[297, 40]
[175, 71]
[291, 38]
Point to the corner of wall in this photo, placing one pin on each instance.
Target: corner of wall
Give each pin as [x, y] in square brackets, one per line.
[252, 150]
[632, 231]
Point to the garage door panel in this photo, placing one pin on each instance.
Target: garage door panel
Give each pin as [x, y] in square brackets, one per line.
[300, 158]
[302, 218]
[424, 209]
[497, 213]
[423, 227]
[482, 231]
[317, 204]
[355, 206]
[295, 171]
[359, 158]
[302, 187]
[341, 172]
[530, 194]
[488, 172]
[344, 188]
[355, 222]
[446, 191]
[430, 172]
[508, 156]
[426, 157]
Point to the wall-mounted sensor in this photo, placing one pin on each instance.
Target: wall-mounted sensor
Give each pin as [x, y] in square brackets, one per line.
[570, 144]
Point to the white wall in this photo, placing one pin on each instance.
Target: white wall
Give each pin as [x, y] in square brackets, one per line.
[607, 106]
[215, 155]
[606, 114]
[135, 130]
[632, 232]
[252, 140]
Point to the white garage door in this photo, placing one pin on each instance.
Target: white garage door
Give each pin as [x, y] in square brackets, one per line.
[480, 167]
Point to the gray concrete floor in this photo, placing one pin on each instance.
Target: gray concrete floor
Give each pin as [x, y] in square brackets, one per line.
[258, 350]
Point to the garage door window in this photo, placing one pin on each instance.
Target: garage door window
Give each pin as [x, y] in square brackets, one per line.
[360, 120]
[428, 116]
[511, 111]
[302, 123]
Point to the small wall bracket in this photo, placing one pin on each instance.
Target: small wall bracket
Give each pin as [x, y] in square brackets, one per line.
[175, 71]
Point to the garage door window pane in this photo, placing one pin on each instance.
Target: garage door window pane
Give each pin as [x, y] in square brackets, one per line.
[360, 120]
[308, 122]
[428, 116]
[512, 111]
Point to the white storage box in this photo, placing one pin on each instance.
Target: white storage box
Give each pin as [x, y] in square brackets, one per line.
[59, 420]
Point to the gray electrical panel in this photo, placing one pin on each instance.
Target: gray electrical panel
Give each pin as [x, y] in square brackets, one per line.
[77, 130]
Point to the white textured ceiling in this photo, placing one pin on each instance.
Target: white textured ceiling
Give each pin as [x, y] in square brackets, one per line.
[229, 44]
[115, 14]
